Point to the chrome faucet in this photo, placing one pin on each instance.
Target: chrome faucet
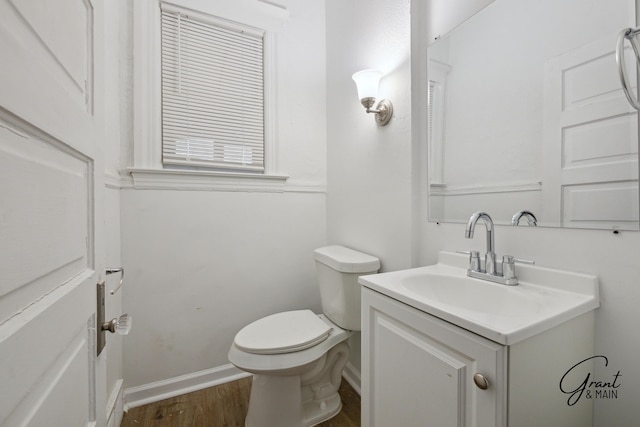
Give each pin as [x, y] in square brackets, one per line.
[490, 256]
[507, 272]
[531, 218]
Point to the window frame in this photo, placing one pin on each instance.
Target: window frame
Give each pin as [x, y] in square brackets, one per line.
[148, 170]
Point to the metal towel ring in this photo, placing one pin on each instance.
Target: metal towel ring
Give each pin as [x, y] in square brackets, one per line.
[627, 33]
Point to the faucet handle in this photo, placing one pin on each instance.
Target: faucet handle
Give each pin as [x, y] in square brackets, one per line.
[509, 268]
[511, 259]
[474, 260]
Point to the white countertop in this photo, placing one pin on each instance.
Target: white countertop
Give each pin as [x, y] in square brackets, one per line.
[544, 297]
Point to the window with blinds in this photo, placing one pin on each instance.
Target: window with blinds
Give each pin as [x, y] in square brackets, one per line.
[212, 93]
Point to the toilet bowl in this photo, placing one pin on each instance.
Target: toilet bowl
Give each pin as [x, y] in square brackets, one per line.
[297, 357]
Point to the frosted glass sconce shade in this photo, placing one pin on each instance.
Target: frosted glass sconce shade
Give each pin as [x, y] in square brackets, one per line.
[367, 82]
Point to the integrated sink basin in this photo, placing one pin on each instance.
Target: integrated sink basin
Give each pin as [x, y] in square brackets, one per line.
[505, 314]
[464, 293]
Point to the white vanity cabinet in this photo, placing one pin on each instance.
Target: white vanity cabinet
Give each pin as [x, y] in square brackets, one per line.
[418, 370]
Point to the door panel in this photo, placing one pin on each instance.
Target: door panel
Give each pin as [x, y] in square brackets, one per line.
[46, 78]
[47, 359]
[590, 174]
[46, 212]
[50, 216]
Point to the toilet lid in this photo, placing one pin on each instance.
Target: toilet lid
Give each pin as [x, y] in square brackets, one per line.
[282, 333]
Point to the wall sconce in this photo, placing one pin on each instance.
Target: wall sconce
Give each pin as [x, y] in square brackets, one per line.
[367, 84]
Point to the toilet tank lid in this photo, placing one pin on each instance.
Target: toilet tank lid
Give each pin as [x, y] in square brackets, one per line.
[346, 260]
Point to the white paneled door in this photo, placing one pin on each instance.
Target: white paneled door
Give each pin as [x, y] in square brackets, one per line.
[51, 134]
[590, 162]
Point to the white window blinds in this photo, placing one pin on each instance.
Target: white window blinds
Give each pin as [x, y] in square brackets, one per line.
[212, 93]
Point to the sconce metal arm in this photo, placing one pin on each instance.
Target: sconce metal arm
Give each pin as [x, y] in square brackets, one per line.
[383, 111]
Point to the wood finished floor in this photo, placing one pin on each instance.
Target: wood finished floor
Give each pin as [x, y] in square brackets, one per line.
[224, 405]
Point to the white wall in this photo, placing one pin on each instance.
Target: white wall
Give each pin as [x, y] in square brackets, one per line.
[203, 264]
[369, 167]
[229, 259]
[369, 173]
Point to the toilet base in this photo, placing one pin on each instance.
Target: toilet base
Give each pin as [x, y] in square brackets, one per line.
[299, 400]
[266, 411]
[274, 401]
[316, 412]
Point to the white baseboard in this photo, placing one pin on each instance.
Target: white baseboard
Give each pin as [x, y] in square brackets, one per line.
[171, 387]
[352, 375]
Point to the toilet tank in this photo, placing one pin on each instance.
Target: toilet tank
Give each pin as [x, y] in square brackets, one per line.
[338, 269]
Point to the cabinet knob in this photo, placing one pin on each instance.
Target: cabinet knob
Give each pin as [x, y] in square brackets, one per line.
[481, 381]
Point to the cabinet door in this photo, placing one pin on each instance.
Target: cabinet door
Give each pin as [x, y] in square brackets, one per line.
[417, 370]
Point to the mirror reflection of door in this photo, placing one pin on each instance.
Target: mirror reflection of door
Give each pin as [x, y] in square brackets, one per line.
[501, 140]
[591, 141]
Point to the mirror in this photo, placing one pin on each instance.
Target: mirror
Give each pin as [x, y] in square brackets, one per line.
[526, 112]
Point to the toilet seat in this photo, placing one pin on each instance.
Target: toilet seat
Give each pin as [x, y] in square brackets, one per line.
[285, 332]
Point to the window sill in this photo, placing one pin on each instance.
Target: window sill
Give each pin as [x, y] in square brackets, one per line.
[172, 179]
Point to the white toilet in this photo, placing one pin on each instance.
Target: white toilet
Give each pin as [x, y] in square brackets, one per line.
[297, 357]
